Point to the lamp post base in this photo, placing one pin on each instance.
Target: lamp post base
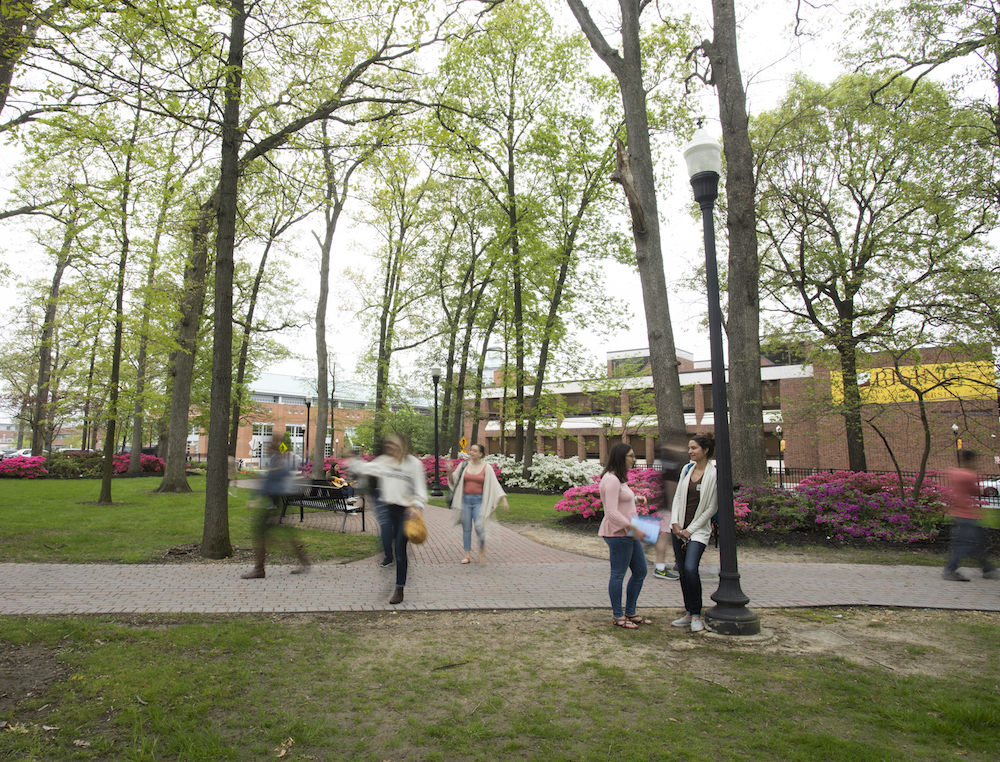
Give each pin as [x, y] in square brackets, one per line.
[732, 620]
[436, 492]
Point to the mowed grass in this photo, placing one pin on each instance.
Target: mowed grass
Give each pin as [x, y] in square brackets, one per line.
[58, 521]
[524, 509]
[475, 686]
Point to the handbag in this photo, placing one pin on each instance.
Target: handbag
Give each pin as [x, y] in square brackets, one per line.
[451, 491]
[415, 528]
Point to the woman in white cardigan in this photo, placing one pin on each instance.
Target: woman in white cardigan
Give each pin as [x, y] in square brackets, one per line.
[477, 493]
[695, 502]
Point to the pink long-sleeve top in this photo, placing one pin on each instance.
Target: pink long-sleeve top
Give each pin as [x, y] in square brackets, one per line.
[619, 506]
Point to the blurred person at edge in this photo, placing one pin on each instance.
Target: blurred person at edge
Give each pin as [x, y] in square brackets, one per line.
[622, 538]
[403, 489]
[672, 458]
[266, 515]
[968, 536]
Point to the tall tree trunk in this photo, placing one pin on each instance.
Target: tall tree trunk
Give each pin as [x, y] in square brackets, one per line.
[743, 324]
[480, 369]
[135, 458]
[180, 372]
[40, 416]
[215, 541]
[241, 368]
[116, 354]
[334, 199]
[639, 184]
[852, 408]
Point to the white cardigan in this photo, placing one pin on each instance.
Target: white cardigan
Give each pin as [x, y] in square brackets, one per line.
[701, 525]
[492, 494]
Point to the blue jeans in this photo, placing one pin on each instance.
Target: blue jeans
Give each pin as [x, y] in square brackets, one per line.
[626, 553]
[394, 539]
[688, 560]
[968, 540]
[472, 512]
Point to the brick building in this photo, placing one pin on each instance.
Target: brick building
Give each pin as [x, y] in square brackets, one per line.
[280, 403]
[586, 417]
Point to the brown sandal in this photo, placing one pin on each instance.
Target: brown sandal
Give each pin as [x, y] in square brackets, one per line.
[624, 622]
[637, 619]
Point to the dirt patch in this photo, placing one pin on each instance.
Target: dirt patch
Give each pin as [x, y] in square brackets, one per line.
[904, 642]
[26, 671]
[191, 554]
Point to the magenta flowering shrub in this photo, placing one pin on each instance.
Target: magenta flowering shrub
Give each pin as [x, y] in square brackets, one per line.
[847, 506]
[150, 464]
[586, 500]
[23, 468]
[447, 465]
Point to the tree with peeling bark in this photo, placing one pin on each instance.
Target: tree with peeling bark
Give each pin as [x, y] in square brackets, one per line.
[746, 410]
[636, 175]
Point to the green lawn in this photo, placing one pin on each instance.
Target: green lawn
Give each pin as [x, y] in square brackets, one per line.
[554, 685]
[58, 521]
[532, 509]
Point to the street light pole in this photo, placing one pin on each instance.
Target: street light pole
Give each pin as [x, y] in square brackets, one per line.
[958, 445]
[305, 455]
[781, 458]
[436, 492]
[730, 615]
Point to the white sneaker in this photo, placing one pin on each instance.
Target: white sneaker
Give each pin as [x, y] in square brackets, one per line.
[697, 625]
[684, 621]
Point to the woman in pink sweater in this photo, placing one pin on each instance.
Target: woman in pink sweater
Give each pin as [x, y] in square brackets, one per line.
[622, 538]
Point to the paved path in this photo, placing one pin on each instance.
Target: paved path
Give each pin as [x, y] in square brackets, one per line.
[518, 574]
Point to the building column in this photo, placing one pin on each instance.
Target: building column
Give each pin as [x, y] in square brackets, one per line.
[602, 448]
[561, 447]
[650, 454]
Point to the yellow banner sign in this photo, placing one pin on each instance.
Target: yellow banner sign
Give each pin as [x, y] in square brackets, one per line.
[943, 381]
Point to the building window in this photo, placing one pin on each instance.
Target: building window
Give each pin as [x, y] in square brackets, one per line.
[770, 395]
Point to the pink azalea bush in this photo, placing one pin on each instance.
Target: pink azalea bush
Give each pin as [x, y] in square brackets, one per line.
[150, 464]
[848, 506]
[844, 504]
[586, 500]
[23, 468]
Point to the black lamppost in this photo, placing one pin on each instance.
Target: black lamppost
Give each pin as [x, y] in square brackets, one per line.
[730, 615]
[958, 445]
[436, 492]
[781, 458]
[305, 455]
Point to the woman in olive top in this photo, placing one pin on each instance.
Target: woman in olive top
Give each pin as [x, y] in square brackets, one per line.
[695, 502]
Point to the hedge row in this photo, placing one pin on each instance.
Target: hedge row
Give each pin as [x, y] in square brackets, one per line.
[72, 465]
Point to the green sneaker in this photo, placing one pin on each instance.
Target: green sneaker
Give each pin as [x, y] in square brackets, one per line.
[666, 574]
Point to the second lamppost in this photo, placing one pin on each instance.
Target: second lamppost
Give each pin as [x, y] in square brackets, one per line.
[730, 615]
[958, 445]
[436, 492]
[781, 457]
[305, 455]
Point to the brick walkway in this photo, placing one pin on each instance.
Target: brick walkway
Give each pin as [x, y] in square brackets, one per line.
[518, 574]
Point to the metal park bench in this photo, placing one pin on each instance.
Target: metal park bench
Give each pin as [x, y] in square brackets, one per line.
[324, 498]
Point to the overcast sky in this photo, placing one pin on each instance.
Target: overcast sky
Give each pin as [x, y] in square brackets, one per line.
[768, 57]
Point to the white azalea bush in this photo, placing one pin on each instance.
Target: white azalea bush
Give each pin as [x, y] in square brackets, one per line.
[548, 472]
